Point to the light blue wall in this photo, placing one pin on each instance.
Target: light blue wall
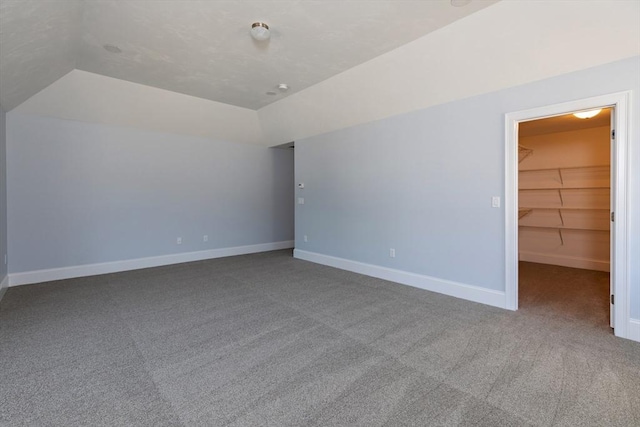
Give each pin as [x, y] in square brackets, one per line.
[3, 193]
[84, 193]
[422, 182]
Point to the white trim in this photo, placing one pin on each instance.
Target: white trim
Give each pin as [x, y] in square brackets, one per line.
[620, 249]
[566, 261]
[446, 287]
[3, 286]
[38, 276]
[634, 330]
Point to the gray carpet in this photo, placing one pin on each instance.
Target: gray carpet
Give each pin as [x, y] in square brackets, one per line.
[267, 340]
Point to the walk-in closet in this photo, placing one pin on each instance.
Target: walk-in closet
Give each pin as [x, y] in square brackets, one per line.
[564, 215]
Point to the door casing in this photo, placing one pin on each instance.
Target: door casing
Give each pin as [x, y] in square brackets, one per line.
[619, 198]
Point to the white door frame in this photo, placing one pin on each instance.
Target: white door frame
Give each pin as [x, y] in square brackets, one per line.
[619, 229]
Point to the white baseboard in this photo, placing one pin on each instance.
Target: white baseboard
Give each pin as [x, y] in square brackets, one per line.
[634, 330]
[38, 276]
[447, 287]
[3, 286]
[565, 261]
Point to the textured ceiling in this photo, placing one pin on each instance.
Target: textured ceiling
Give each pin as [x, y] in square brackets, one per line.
[38, 45]
[203, 48]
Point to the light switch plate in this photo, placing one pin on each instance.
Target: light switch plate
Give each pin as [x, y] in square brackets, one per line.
[495, 202]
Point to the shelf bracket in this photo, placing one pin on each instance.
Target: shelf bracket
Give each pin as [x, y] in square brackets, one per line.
[523, 153]
[523, 212]
[560, 195]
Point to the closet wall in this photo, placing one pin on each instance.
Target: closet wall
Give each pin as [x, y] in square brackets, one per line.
[564, 198]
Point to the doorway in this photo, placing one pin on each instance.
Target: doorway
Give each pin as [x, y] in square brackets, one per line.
[564, 183]
[615, 212]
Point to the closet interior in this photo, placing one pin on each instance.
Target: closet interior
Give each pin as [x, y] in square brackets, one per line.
[564, 196]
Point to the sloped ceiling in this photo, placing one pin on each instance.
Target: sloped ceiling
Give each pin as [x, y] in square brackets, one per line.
[38, 45]
[203, 48]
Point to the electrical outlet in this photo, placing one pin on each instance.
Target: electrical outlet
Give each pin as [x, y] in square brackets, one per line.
[392, 253]
[301, 200]
[305, 238]
[205, 238]
[179, 241]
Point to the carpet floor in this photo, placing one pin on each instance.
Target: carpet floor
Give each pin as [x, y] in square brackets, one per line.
[268, 340]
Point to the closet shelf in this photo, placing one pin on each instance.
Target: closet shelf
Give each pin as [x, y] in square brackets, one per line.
[564, 227]
[559, 229]
[565, 168]
[563, 208]
[569, 184]
[600, 187]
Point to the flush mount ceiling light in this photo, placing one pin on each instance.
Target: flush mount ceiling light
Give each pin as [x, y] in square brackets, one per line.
[283, 87]
[587, 114]
[460, 3]
[260, 31]
[112, 48]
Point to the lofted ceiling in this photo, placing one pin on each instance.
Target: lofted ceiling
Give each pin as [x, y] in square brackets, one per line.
[203, 48]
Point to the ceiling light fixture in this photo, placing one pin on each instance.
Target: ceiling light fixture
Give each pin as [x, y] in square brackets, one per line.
[587, 114]
[112, 48]
[283, 87]
[460, 3]
[260, 31]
